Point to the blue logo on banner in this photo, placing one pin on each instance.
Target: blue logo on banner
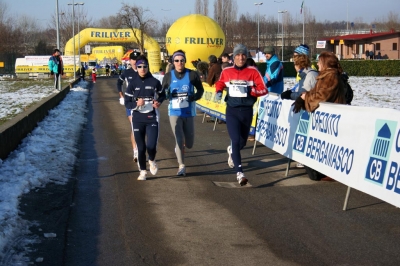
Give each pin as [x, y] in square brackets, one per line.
[380, 151]
[300, 138]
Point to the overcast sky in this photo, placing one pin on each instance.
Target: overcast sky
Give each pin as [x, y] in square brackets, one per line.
[337, 10]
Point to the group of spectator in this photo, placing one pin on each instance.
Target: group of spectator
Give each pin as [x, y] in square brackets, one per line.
[371, 55]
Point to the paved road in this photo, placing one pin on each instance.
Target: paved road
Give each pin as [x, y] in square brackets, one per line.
[204, 218]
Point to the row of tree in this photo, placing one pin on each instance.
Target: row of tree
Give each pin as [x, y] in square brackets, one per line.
[20, 36]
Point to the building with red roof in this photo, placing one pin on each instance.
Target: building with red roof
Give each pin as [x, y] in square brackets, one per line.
[384, 45]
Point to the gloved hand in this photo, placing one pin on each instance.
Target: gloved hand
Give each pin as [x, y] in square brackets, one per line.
[191, 98]
[298, 105]
[218, 96]
[286, 95]
[121, 101]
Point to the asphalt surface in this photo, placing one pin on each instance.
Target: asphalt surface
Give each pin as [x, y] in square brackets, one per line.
[104, 216]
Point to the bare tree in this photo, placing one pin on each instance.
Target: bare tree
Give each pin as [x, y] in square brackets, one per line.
[205, 7]
[225, 14]
[135, 18]
[29, 29]
[244, 31]
[164, 27]
[268, 31]
[198, 7]
[67, 23]
[313, 30]
[201, 7]
[393, 21]
[3, 11]
[10, 40]
[290, 32]
[111, 22]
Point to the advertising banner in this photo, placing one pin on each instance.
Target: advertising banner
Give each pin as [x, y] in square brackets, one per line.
[43, 60]
[39, 60]
[357, 146]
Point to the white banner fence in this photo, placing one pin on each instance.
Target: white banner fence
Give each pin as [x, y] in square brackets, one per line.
[357, 146]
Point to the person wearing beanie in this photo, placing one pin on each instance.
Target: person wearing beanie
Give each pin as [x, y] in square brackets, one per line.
[243, 84]
[126, 76]
[56, 67]
[302, 49]
[307, 76]
[183, 88]
[273, 77]
[143, 97]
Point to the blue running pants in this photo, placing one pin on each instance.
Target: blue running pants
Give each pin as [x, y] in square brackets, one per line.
[238, 122]
[141, 130]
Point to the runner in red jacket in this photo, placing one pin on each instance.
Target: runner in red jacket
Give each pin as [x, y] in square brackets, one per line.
[243, 85]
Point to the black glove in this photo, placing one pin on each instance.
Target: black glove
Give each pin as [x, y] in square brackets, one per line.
[286, 95]
[192, 98]
[298, 105]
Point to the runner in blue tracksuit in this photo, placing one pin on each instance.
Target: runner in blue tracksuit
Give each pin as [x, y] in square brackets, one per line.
[143, 96]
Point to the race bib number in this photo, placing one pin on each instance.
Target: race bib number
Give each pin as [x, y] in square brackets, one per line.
[147, 107]
[180, 100]
[238, 88]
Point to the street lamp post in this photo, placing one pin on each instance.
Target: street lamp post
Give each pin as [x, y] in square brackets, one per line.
[73, 34]
[258, 29]
[79, 37]
[281, 12]
[278, 22]
[58, 42]
[58, 26]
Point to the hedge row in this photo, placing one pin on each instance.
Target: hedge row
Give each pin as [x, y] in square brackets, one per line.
[377, 68]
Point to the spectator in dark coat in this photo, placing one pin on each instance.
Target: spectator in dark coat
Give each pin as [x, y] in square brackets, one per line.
[82, 72]
[170, 65]
[214, 70]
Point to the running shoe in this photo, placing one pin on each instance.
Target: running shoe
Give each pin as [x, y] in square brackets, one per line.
[241, 179]
[135, 155]
[299, 165]
[153, 167]
[143, 175]
[181, 170]
[230, 161]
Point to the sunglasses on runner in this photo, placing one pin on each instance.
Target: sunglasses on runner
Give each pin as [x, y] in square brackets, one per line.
[177, 60]
[141, 66]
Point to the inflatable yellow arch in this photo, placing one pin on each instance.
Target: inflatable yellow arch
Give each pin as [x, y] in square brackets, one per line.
[116, 35]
